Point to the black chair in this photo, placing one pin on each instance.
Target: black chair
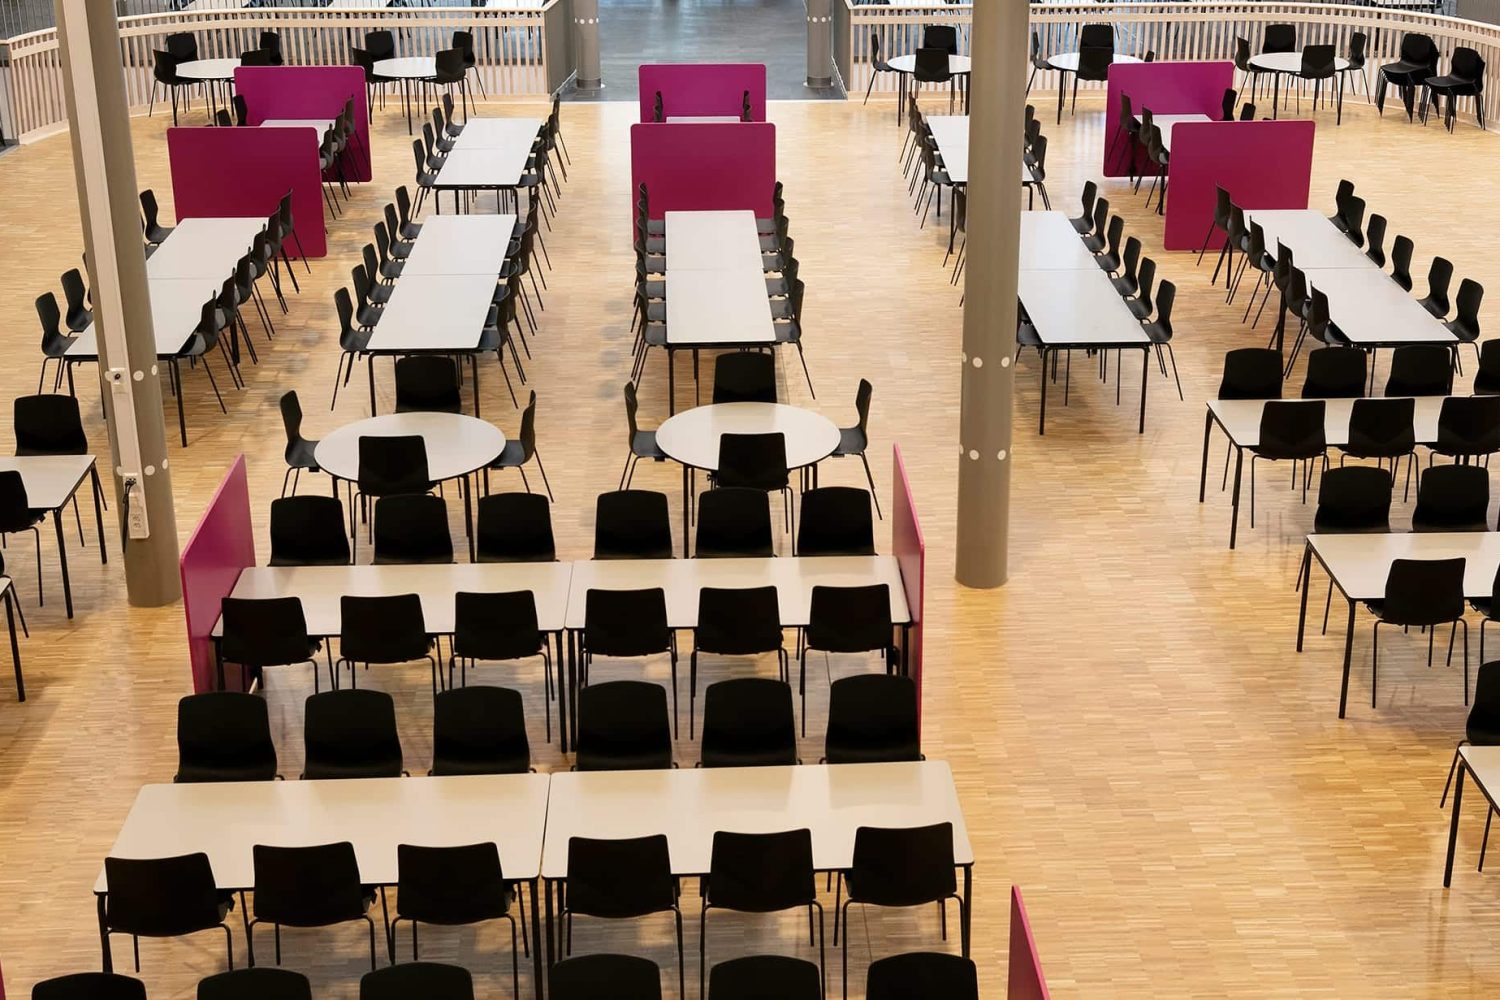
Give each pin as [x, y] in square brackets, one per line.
[1401, 251]
[479, 730]
[224, 736]
[735, 523]
[451, 887]
[17, 515]
[1279, 38]
[1468, 427]
[1093, 64]
[930, 65]
[90, 986]
[1318, 65]
[1383, 429]
[744, 377]
[836, 522]
[1335, 373]
[898, 866]
[262, 983]
[632, 524]
[384, 630]
[514, 527]
[412, 528]
[1420, 593]
[164, 74]
[1420, 370]
[756, 462]
[55, 343]
[50, 424]
[735, 622]
[642, 443]
[756, 976]
[922, 973]
[1453, 498]
[162, 898]
[427, 383]
[621, 880]
[622, 726]
[759, 873]
[391, 466]
[1465, 78]
[872, 718]
[1290, 430]
[521, 450]
[1351, 500]
[265, 632]
[315, 886]
[496, 627]
[308, 531]
[847, 620]
[1465, 325]
[1482, 728]
[1375, 239]
[1417, 65]
[619, 977]
[1487, 379]
[1251, 373]
[351, 734]
[428, 980]
[1439, 277]
[78, 317]
[301, 452]
[748, 722]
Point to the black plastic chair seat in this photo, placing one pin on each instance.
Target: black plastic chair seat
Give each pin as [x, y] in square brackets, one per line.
[643, 443]
[852, 441]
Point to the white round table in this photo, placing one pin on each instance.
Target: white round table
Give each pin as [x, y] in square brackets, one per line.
[691, 438]
[208, 69]
[408, 70]
[1280, 64]
[905, 66]
[457, 444]
[1067, 62]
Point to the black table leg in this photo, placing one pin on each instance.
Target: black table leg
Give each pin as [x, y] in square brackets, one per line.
[1062, 78]
[552, 946]
[1348, 659]
[966, 918]
[370, 369]
[1208, 426]
[1145, 371]
[62, 558]
[1458, 794]
[687, 500]
[561, 690]
[464, 488]
[1306, 575]
[98, 515]
[176, 376]
[15, 648]
[109, 961]
[671, 383]
[536, 934]
[1234, 517]
[1042, 418]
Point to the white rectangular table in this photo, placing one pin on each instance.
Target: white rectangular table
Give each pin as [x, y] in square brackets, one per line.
[1482, 763]
[951, 133]
[1081, 310]
[712, 241]
[702, 119]
[51, 481]
[1371, 310]
[433, 314]
[204, 248]
[461, 245]
[489, 155]
[1313, 240]
[320, 125]
[1165, 123]
[1050, 243]
[1359, 564]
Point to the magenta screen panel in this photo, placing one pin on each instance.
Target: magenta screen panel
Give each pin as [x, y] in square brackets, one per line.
[1167, 88]
[701, 168]
[311, 92]
[1262, 164]
[702, 89]
[911, 556]
[222, 545]
[1026, 981]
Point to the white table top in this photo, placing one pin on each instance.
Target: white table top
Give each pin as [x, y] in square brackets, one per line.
[702, 119]
[1078, 307]
[712, 241]
[209, 69]
[498, 133]
[320, 587]
[1484, 766]
[435, 312]
[50, 480]
[1370, 308]
[1240, 419]
[690, 805]
[460, 244]
[1359, 564]
[1289, 62]
[357, 4]
[692, 436]
[322, 125]
[407, 67]
[718, 308]
[483, 167]
[176, 307]
[457, 444]
[1313, 240]
[204, 248]
[957, 65]
[1165, 123]
[226, 821]
[951, 133]
[793, 577]
[1068, 61]
[1050, 243]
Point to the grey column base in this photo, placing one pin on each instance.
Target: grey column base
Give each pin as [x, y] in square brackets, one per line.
[823, 81]
[589, 84]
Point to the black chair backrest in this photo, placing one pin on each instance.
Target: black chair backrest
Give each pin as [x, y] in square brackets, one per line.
[872, 718]
[385, 629]
[479, 730]
[1453, 498]
[1418, 49]
[515, 527]
[1423, 592]
[931, 66]
[1469, 425]
[90, 986]
[623, 726]
[495, 626]
[161, 897]
[632, 524]
[738, 621]
[748, 722]
[307, 886]
[1382, 427]
[761, 872]
[15, 511]
[620, 977]
[1280, 38]
[620, 878]
[259, 983]
[753, 461]
[1097, 36]
[183, 45]
[1251, 373]
[1420, 370]
[48, 424]
[734, 523]
[836, 521]
[940, 36]
[1483, 725]
[1292, 428]
[393, 465]
[922, 973]
[224, 736]
[351, 734]
[1335, 373]
[1094, 62]
[428, 980]
[264, 631]
[754, 976]
[1467, 65]
[850, 619]
[427, 382]
[412, 528]
[1318, 61]
[902, 866]
[626, 622]
[744, 377]
[450, 885]
[380, 44]
[308, 531]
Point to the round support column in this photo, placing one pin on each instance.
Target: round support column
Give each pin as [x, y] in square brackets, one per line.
[820, 43]
[586, 40]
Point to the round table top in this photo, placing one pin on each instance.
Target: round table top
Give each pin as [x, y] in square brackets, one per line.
[957, 65]
[407, 67]
[456, 444]
[1290, 62]
[1068, 61]
[692, 436]
[208, 69]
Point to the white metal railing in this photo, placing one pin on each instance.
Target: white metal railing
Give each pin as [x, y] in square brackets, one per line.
[512, 46]
[1172, 30]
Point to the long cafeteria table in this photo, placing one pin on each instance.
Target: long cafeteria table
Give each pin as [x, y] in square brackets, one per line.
[489, 155]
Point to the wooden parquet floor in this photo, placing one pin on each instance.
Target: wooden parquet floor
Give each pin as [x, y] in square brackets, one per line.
[1136, 742]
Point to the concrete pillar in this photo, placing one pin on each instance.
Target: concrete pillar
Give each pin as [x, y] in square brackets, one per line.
[820, 43]
[999, 43]
[586, 42]
[109, 204]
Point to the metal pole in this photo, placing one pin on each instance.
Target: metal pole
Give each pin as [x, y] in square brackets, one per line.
[586, 24]
[104, 163]
[820, 43]
[999, 50]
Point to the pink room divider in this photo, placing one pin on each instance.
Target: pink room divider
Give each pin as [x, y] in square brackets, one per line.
[1026, 981]
[1262, 164]
[704, 167]
[911, 556]
[311, 92]
[221, 546]
[1167, 88]
[699, 89]
[247, 171]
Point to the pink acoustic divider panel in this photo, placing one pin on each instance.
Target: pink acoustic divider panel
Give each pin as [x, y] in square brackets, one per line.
[698, 168]
[1167, 88]
[911, 555]
[221, 546]
[247, 171]
[1026, 981]
[700, 89]
[1263, 164]
[313, 92]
